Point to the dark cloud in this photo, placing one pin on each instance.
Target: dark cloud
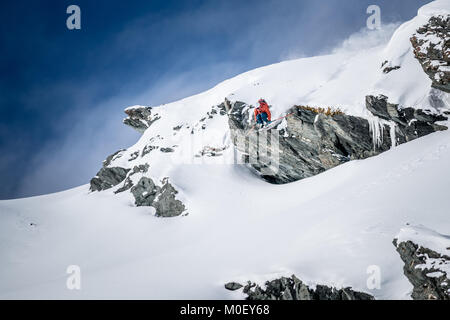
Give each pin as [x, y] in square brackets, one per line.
[62, 92]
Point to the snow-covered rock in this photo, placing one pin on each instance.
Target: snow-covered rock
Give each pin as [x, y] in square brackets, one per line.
[311, 141]
[294, 289]
[432, 48]
[140, 118]
[426, 255]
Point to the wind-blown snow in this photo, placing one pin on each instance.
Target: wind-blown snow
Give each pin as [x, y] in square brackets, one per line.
[327, 229]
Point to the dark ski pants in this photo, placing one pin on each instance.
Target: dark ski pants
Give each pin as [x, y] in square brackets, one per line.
[262, 118]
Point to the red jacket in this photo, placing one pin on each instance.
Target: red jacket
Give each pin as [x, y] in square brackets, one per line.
[263, 108]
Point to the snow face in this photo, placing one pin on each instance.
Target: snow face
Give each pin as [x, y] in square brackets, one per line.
[426, 238]
[328, 229]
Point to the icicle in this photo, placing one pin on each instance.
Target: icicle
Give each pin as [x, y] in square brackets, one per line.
[376, 128]
[393, 134]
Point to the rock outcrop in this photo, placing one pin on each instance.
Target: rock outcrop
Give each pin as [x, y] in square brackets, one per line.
[140, 118]
[426, 269]
[163, 199]
[431, 46]
[410, 123]
[109, 177]
[387, 67]
[294, 289]
[309, 142]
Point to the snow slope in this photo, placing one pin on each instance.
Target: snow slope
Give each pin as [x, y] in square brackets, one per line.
[327, 229]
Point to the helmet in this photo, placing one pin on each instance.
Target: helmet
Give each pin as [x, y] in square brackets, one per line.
[261, 101]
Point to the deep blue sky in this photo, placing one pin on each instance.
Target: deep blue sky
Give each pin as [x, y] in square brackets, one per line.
[62, 92]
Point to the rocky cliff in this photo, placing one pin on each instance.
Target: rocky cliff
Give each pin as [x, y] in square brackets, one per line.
[310, 141]
[431, 46]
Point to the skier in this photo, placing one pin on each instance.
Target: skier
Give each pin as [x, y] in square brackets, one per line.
[262, 113]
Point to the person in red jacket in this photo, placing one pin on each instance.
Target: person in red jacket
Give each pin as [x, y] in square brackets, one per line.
[262, 113]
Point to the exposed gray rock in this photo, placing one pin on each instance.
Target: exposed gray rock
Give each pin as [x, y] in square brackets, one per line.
[147, 193]
[166, 204]
[147, 149]
[431, 46]
[233, 286]
[108, 177]
[387, 67]
[294, 289]
[312, 142]
[140, 118]
[380, 107]
[128, 184]
[112, 157]
[425, 286]
[167, 150]
[142, 168]
[134, 156]
[411, 123]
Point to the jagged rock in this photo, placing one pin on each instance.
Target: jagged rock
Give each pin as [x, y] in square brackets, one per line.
[380, 107]
[145, 192]
[166, 204]
[233, 286]
[147, 149]
[108, 177]
[431, 46]
[311, 142]
[167, 150]
[112, 157]
[140, 118]
[128, 183]
[423, 268]
[294, 289]
[387, 67]
[134, 156]
[411, 123]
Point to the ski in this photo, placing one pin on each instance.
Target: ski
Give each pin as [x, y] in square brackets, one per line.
[274, 123]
